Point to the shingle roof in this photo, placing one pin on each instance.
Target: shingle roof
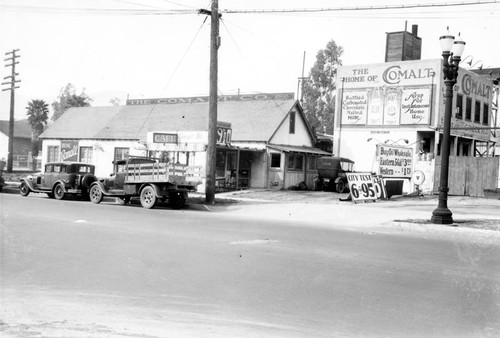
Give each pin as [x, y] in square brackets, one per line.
[250, 120]
[22, 128]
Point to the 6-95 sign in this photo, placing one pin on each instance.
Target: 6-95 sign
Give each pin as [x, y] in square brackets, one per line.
[363, 187]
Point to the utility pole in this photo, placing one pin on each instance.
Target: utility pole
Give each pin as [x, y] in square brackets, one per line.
[212, 105]
[12, 86]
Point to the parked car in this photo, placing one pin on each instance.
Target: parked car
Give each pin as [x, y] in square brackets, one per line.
[60, 179]
[332, 173]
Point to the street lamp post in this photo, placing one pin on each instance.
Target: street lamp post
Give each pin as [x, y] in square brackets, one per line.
[452, 51]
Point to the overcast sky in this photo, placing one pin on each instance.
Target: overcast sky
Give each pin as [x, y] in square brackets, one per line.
[109, 51]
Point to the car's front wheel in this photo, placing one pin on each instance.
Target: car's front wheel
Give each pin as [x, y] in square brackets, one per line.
[24, 189]
[148, 197]
[95, 194]
[340, 186]
[59, 191]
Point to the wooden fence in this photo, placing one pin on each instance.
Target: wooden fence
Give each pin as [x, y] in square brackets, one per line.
[469, 176]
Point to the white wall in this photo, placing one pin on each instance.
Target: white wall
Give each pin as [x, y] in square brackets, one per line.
[301, 136]
[4, 146]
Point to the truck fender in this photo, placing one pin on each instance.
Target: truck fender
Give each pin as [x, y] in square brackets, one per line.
[155, 187]
[101, 186]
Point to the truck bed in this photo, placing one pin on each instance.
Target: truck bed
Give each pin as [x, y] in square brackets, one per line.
[155, 173]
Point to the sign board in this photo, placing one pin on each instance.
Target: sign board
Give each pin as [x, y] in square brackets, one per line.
[224, 136]
[220, 98]
[395, 161]
[164, 138]
[362, 186]
[418, 177]
[69, 151]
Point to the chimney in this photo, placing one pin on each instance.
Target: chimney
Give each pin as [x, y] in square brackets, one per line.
[403, 46]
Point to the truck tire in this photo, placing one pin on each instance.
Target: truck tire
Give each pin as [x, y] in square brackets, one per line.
[148, 197]
[24, 189]
[59, 191]
[95, 194]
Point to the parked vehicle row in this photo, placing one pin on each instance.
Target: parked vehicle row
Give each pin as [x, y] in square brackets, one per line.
[141, 177]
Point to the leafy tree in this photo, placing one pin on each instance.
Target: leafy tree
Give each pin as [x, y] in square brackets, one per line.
[319, 88]
[67, 99]
[38, 114]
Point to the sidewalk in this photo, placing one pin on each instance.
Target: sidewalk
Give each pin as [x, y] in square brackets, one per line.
[325, 209]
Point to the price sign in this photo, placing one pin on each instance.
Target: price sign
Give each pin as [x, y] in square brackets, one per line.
[363, 187]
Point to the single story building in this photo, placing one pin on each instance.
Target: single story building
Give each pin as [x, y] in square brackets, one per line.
[264, 141]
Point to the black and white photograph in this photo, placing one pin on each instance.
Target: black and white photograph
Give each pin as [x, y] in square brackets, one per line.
[236, 168]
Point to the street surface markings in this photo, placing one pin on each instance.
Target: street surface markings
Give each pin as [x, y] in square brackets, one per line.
[255, 241]
[80, 221]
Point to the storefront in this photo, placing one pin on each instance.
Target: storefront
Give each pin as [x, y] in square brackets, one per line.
[252, 130]
[401, 104]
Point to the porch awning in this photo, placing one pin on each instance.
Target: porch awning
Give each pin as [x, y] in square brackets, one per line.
[297, 149]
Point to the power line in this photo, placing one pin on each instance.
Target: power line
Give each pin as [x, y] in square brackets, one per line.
[357, 8]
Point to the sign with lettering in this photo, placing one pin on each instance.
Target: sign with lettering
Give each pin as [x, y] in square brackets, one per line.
[416, 105]
[69, 151]
[224, 136]
[220, 98]
[354, 106]
[375, 106]
[362, 186]
[164, 138]
[395, 161]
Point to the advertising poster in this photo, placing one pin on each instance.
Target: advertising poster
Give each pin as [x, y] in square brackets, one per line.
[416, 106]
[69, 151]
[395, 161]
[392, 106]
[375, 107]
[354, 106]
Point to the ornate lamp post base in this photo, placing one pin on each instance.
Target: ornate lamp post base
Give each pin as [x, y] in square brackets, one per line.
[442, 216]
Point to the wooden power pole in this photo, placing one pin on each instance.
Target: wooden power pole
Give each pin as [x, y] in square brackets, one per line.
[212, 106]
[12, 86]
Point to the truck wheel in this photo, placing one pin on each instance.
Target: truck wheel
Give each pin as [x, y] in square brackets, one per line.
[95, 194]
[340, 186]
[59, 191]
[148, 197]
[24, 189]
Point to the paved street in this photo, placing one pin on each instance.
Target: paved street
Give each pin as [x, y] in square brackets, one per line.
[73, 269]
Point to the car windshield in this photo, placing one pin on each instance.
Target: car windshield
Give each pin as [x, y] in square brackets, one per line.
[346, 166]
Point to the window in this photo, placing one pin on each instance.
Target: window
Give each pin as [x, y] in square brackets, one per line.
[49, 168]
[121, 153]
[295, 161]
[52, 153]
[57, 168]
[486, 114]
[477, 112]
[468, 109]
[275, 160]
[292, 122]
[86, 154]
[459, 107]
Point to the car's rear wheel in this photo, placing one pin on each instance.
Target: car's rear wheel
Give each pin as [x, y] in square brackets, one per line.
[24, 189]
[95, 194]
[59, 191]
[148, 197]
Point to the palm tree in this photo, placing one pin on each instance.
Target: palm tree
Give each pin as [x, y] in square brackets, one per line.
[38, 114]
